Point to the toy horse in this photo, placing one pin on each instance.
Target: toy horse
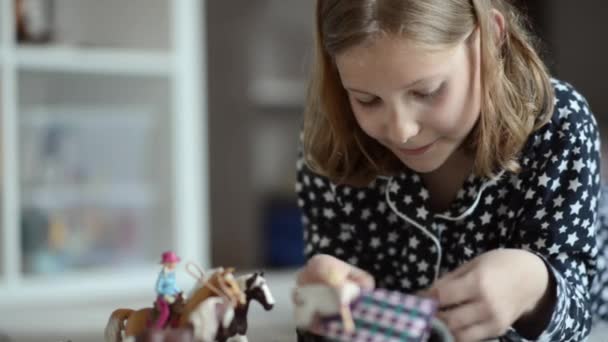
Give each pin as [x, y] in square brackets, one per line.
[319, 300]
[257, 289]
[213, 315]
[134, 322]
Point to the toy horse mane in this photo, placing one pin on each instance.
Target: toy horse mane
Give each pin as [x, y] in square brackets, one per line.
[210, 288]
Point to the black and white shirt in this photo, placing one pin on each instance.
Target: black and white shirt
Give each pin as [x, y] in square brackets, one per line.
[549, 208]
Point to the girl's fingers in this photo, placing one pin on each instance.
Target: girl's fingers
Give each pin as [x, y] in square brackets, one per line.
[476, 332]
[463, 316]
[431, 292]
[362, 278]
[321, 268]
[450, 292]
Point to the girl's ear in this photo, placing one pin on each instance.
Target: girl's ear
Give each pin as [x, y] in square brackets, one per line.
[499, 25]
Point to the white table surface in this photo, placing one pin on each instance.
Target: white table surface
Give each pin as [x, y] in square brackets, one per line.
[86, 323]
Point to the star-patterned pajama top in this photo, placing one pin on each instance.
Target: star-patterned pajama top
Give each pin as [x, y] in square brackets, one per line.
[549, 208]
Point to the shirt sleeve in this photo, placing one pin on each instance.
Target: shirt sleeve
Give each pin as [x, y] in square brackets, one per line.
[316, 199]
[560, 193]
[318, 202]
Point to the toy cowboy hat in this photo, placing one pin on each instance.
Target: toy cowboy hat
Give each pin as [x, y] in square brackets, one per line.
[169, 256]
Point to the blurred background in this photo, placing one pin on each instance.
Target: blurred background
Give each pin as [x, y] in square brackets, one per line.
[129, 127]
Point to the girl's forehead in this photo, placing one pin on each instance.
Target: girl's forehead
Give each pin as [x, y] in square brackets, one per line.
[393, 57]
[387, 47]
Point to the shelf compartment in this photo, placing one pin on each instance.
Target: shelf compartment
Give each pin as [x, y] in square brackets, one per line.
[90, 189]
[94, 60]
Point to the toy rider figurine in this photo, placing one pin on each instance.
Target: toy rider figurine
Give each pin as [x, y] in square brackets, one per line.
[166, 289]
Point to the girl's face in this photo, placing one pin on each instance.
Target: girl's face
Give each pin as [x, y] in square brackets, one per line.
[420, 104]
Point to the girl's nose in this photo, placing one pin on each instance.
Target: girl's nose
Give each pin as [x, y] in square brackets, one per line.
[402, 126]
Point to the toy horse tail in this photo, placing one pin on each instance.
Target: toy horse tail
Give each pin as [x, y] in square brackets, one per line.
[115, 326]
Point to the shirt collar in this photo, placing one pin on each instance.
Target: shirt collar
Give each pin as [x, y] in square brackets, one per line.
[410, 197]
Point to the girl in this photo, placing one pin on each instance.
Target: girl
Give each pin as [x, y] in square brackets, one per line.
[440, 158]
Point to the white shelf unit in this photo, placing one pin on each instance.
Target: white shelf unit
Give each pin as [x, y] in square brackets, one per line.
[95, 60]
[53, 76]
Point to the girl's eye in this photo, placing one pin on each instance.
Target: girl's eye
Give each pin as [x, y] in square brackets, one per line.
[430, 95]
[369, 103]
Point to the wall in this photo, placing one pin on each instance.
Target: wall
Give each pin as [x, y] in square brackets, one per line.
[257, 52]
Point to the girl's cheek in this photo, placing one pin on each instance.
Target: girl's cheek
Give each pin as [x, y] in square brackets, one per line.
[368, 125]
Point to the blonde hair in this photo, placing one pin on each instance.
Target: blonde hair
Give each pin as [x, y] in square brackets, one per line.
[516, 99]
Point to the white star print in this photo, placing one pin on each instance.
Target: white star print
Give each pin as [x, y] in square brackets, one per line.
[422, 266]
[414, 242]
[540, 214]
[365, 214]
[345, 236]
[393, 236]
[394, 187]
[575, 106]
[530, 194]
[329, 213]
[423, 280]
[424, 194]
[348, 208]
[543, 180]
[468, 252]
[422, 213]
[554, 249]
[485, 218]
[557, 202]
[329, 197]
[574, 185]
[575, 208]
[502, 193]
[564, 112]
[560, 86]
[325, 242]
[555, 184]
[572, 238]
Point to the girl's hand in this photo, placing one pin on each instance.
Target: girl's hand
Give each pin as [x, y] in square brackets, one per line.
[484, 297]
[326, 269]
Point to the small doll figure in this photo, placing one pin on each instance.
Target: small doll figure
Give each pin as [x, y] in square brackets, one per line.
[166, 288]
